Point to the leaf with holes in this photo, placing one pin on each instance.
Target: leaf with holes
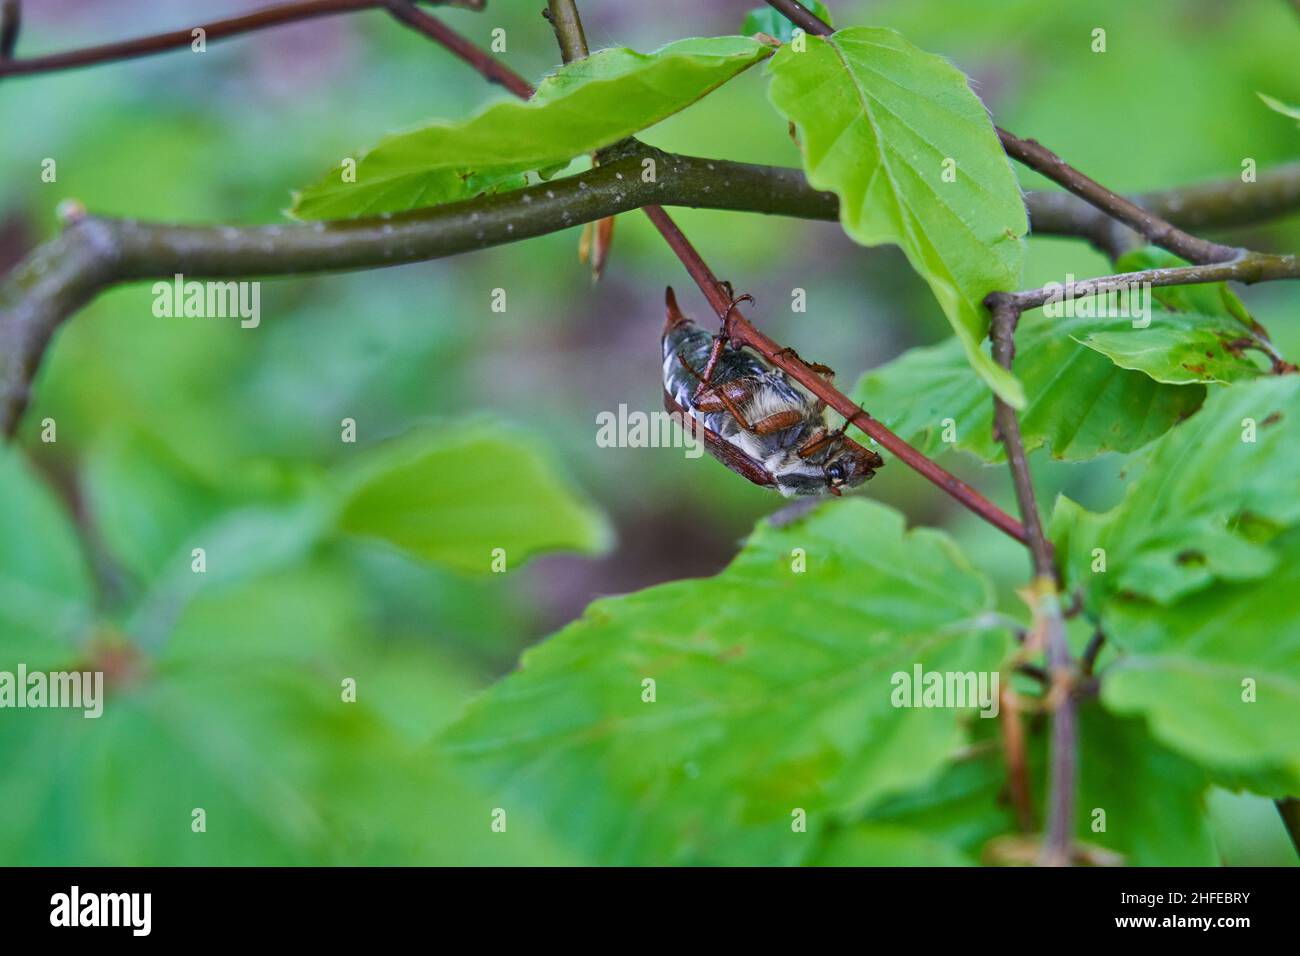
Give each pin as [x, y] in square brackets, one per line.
[1211, 495]
[1217, 675]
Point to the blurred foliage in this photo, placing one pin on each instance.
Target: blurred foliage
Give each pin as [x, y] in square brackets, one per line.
[226, 695]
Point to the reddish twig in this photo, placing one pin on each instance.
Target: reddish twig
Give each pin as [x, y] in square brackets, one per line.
[492, 69]
[1013, 751]
[216, 30]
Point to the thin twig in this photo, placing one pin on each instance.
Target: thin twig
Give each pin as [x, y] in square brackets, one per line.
[1013, 752]
[1146, 223]
[1217, 204]
[1248, 268]
[564, 20]
[11, 21]
[1088, 662]
[1008, 425]
[491, 68]
[175, 39]
[1048, 616]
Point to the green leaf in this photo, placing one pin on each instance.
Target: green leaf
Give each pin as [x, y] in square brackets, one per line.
[1204, 506]
[1186, 669]
[959, 810]
[1196, 335]
[241, 714]
[1178, 349]
[45, 589]
[879, 124]
[144, 502]
[775, 24]
[772, 691]
[1078, 402]
[582, 107]
[1121, 768]
[1278, 106]
[455, 497]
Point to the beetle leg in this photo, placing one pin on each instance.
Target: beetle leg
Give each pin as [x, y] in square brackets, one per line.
[777, 422]
[722, 338]
[815, 442]
[825, 371]
[710, 398]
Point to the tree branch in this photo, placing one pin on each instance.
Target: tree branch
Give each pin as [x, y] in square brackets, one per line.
[93, 254]
[174, 39]
[1217, 204]
[1144, 221]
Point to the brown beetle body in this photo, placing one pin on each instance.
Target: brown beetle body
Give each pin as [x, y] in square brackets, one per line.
[754, 419]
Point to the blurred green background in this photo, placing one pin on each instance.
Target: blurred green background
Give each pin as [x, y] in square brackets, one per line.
[227, 696]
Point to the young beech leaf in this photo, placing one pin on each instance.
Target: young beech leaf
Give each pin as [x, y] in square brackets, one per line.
[1217, 675]
[1197, 332]
[1178, 349]
[46, 591]
[1079, 403]
[898, 135]
[456, 497]
[581, 107]
[1210, 495]
[773, 686]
